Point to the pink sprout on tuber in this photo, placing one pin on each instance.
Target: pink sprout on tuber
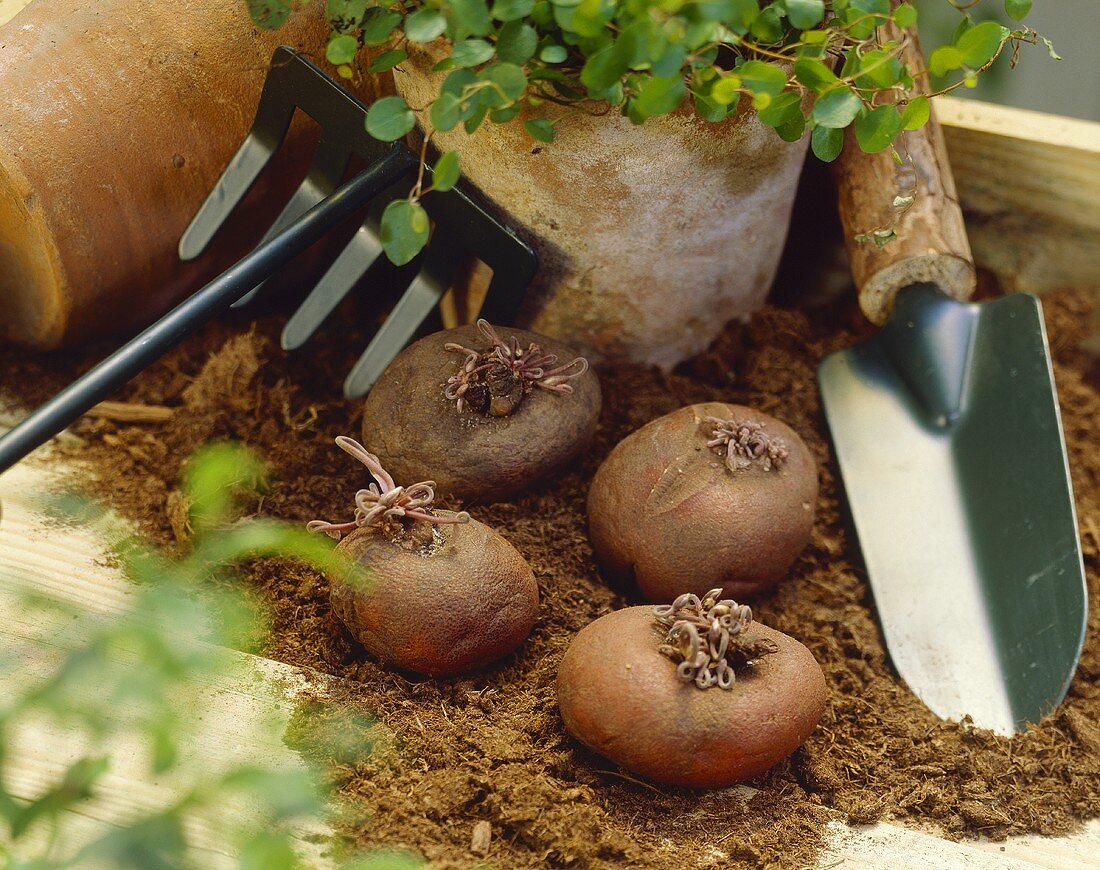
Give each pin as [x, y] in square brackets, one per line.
[506, 360]
[705, 638]
[744, 443]
[385, 504]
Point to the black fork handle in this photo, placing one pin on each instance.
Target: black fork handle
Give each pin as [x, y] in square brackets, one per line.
[191, 314]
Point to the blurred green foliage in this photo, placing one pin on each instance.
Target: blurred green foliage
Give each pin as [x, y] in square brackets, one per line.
[142, 677]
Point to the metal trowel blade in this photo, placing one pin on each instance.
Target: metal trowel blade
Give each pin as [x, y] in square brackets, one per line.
[949, 440]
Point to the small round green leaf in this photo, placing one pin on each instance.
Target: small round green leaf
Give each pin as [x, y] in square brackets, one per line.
[446, 171]
[509, 83]
[468, 18]
[945, 59]
[387, 60]
[516, 42]
[878, 128]
[978, 45]
[471, 52]
[378, 24]
[1017, 9]
[425, 25]
[905, 15]
[916, 113]
[405, 228]
[553, 54]
[762, 78]
[805, 14]
[512, 10]
[389, 119]
[446, 112]
[539, 128]
[767, 26]
[727, 90]
[837, 108]
[341, 49]
[659, 95]
[814, 74]
[826, 143]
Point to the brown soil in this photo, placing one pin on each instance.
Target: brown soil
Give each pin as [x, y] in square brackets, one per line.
[490, 747]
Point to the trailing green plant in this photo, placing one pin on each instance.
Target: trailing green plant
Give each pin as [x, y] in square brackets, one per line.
[811, 67]
[140, 678]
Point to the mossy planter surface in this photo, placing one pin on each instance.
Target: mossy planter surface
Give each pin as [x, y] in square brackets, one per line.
[621, 698]
[650, 238]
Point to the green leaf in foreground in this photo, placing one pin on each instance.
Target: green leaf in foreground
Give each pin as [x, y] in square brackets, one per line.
[405, 228]
[945, 59]
[836, 108]
[659, 96]
[905, 15]
[446, 171]
[805, 14]
[814, 74]
[425, 25]
[378, 24]
[762, 78]
[387, 60]
[826, 143]
[978, 45]
[512, 10]
[916, 114]
[516, 42]
[389, 118]
[341, 49]
[878, 128]
[471, 52]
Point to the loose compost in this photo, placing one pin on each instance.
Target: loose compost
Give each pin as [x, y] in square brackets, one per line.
[446, 755]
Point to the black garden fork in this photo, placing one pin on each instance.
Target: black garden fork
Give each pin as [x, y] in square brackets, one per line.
[460, 229]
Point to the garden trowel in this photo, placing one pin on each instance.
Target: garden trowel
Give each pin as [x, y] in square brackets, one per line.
[948, 436]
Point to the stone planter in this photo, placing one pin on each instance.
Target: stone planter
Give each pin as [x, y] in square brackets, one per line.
[650, 238]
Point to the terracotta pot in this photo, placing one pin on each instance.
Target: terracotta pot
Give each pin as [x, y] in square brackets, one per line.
[650, 238]
[118, 117]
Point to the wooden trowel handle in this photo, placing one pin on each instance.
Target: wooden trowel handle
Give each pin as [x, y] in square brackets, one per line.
[874, 190]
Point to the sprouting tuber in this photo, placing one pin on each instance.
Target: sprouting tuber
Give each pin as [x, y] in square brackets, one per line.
[692, 694]
[442, 594]
[711, 495]
[487, 412]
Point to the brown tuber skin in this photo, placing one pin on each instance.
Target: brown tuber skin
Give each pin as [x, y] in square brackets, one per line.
[667, 511]
[442, 594]
[495, 446]
[458, 604]
[621, 697]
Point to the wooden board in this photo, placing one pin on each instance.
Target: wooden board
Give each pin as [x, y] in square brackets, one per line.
[244, 709]
[68, 567]
[1029, 185]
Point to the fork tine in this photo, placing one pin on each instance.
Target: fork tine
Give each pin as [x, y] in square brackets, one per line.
[436, 274]
[330, 161]
[249, 161]
[273, 114]
[358, 256]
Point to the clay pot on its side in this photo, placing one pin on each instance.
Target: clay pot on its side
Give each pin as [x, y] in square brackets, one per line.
[650, 238]
[118, 116]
